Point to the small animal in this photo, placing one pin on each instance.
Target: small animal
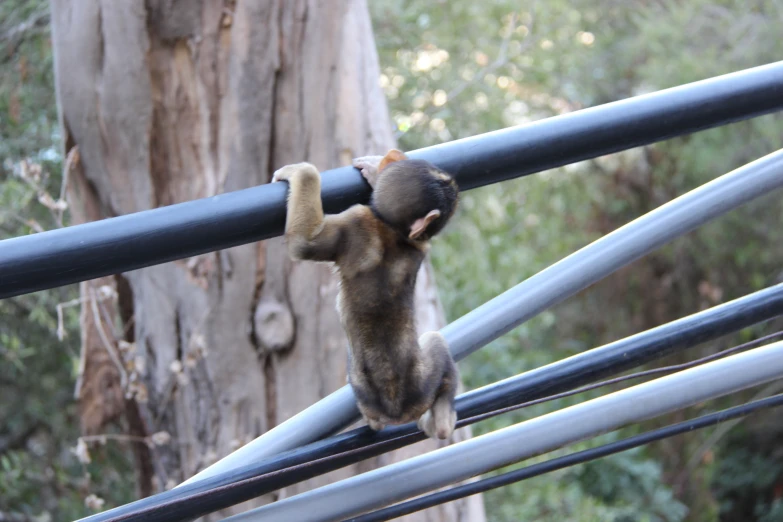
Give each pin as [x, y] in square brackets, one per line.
[377, 250]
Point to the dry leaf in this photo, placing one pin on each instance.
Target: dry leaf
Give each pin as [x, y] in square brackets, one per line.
[81, 452]
[94, 502]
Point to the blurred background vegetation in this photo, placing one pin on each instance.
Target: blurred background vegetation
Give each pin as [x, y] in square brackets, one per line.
[451, 70]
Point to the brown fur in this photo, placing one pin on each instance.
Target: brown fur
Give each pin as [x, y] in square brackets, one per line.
[378, 250]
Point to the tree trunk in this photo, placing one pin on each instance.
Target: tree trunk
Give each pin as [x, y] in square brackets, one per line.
[168, 101]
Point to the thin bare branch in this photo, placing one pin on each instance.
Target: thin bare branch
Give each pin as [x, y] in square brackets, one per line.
[113, 436]
[36, 23]
[500, 60]
[34, 176]
[22, 221]
[721, 431]
[71, 161]
[61, 333]
[107, 343]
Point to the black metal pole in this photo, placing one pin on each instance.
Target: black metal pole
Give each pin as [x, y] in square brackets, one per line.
[133, 241]
[465, 490]
[239, 485]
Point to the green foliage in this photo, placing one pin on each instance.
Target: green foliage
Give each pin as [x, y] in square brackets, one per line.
[745, 479]
[39, 415]
[621, 488]
[40, 477]
[29, 118]
[627, 482]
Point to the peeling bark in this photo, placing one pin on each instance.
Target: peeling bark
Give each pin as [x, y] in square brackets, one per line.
[172, 100]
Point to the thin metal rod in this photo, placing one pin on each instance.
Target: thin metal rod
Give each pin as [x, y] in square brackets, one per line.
[529, 298]
[134, 241]
[246, 482]
[396, 482]
[535, 470]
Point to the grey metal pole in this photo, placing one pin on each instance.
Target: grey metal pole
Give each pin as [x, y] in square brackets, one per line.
[534, 295]
[417, 475]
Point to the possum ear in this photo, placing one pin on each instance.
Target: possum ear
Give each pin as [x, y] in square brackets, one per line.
[390, 157]
[420, 225]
